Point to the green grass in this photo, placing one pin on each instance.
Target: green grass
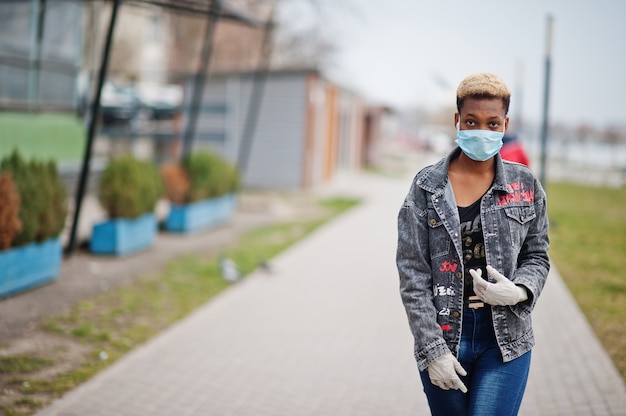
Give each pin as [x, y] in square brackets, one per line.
[60, 137]
[588, 248]
[22, 364]
[118, 321]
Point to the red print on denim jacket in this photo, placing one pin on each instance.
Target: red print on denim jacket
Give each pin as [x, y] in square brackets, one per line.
[448, 266]
[518, 195]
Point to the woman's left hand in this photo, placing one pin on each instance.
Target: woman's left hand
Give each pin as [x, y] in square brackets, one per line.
[503, 292]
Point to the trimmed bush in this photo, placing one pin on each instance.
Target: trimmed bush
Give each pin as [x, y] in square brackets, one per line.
[42, 198]
[176, 183]
[10, 223]
[129, 187]
[53, 218]
[33, 205]
[210, 175]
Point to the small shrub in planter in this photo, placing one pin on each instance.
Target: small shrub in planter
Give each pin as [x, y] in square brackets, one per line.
[129, 187]
[210, 176]
[43, 198]
[176, 182]
[33, 255]
[10, 223]
[129, 191]
[208, 199]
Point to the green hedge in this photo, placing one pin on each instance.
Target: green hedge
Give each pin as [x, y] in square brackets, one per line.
[129, 187]
[210, 176]
[43, 205]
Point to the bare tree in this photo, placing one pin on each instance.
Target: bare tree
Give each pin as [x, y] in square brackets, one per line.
[186, 34]
[238, 47]
[302, 38]
[302, 48]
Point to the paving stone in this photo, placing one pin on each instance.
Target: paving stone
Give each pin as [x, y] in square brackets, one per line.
[326, 334]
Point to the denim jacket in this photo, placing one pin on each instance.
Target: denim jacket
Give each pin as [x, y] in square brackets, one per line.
[429, 256]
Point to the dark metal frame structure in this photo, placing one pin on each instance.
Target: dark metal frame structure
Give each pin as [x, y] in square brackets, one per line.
[35, 63]
[213, 10]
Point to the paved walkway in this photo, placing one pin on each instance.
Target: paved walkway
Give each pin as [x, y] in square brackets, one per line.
[326, 334]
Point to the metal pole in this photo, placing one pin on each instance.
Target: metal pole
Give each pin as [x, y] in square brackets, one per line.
[38, 11]
[95, 111]
[546, 99]
[519, 88]
[258, 86]
[200, 78]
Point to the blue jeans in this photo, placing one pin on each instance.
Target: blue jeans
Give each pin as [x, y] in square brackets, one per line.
[494, 388]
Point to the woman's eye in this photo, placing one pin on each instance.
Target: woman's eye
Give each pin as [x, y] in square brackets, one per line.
[494, 125]
[469, 122]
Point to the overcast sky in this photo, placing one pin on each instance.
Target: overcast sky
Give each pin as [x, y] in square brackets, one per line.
[415, 52]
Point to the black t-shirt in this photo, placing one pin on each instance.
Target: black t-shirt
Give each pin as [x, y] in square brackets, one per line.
[473, 243]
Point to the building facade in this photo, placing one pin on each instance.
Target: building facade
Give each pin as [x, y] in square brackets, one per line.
[307, 129]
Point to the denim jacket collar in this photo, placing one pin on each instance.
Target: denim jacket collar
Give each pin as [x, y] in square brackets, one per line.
[436, 179]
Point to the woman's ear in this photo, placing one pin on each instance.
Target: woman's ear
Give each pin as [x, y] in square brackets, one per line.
[457, 118]
[506, 123]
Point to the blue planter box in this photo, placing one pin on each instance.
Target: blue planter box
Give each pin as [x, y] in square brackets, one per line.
[200, 215]
[28, 266]
[123, 236]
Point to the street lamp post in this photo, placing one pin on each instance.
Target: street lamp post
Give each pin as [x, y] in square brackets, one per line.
[546, 98]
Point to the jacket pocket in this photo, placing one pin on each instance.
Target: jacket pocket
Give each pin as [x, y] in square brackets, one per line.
[438, 237]
[519, 218]
[522, 214]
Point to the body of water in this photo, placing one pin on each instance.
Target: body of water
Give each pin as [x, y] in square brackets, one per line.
[592, 162]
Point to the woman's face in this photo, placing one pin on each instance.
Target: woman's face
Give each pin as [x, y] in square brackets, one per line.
[482, 114]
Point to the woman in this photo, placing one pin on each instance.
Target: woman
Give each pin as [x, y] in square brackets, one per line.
[473, 258]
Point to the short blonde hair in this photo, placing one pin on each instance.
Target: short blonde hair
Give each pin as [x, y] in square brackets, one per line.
[483, 85]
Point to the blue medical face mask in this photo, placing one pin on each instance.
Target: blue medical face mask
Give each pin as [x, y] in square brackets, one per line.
[479, 145]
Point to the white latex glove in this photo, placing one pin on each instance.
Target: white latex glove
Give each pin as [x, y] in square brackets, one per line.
[443, 373]
[502, 292]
